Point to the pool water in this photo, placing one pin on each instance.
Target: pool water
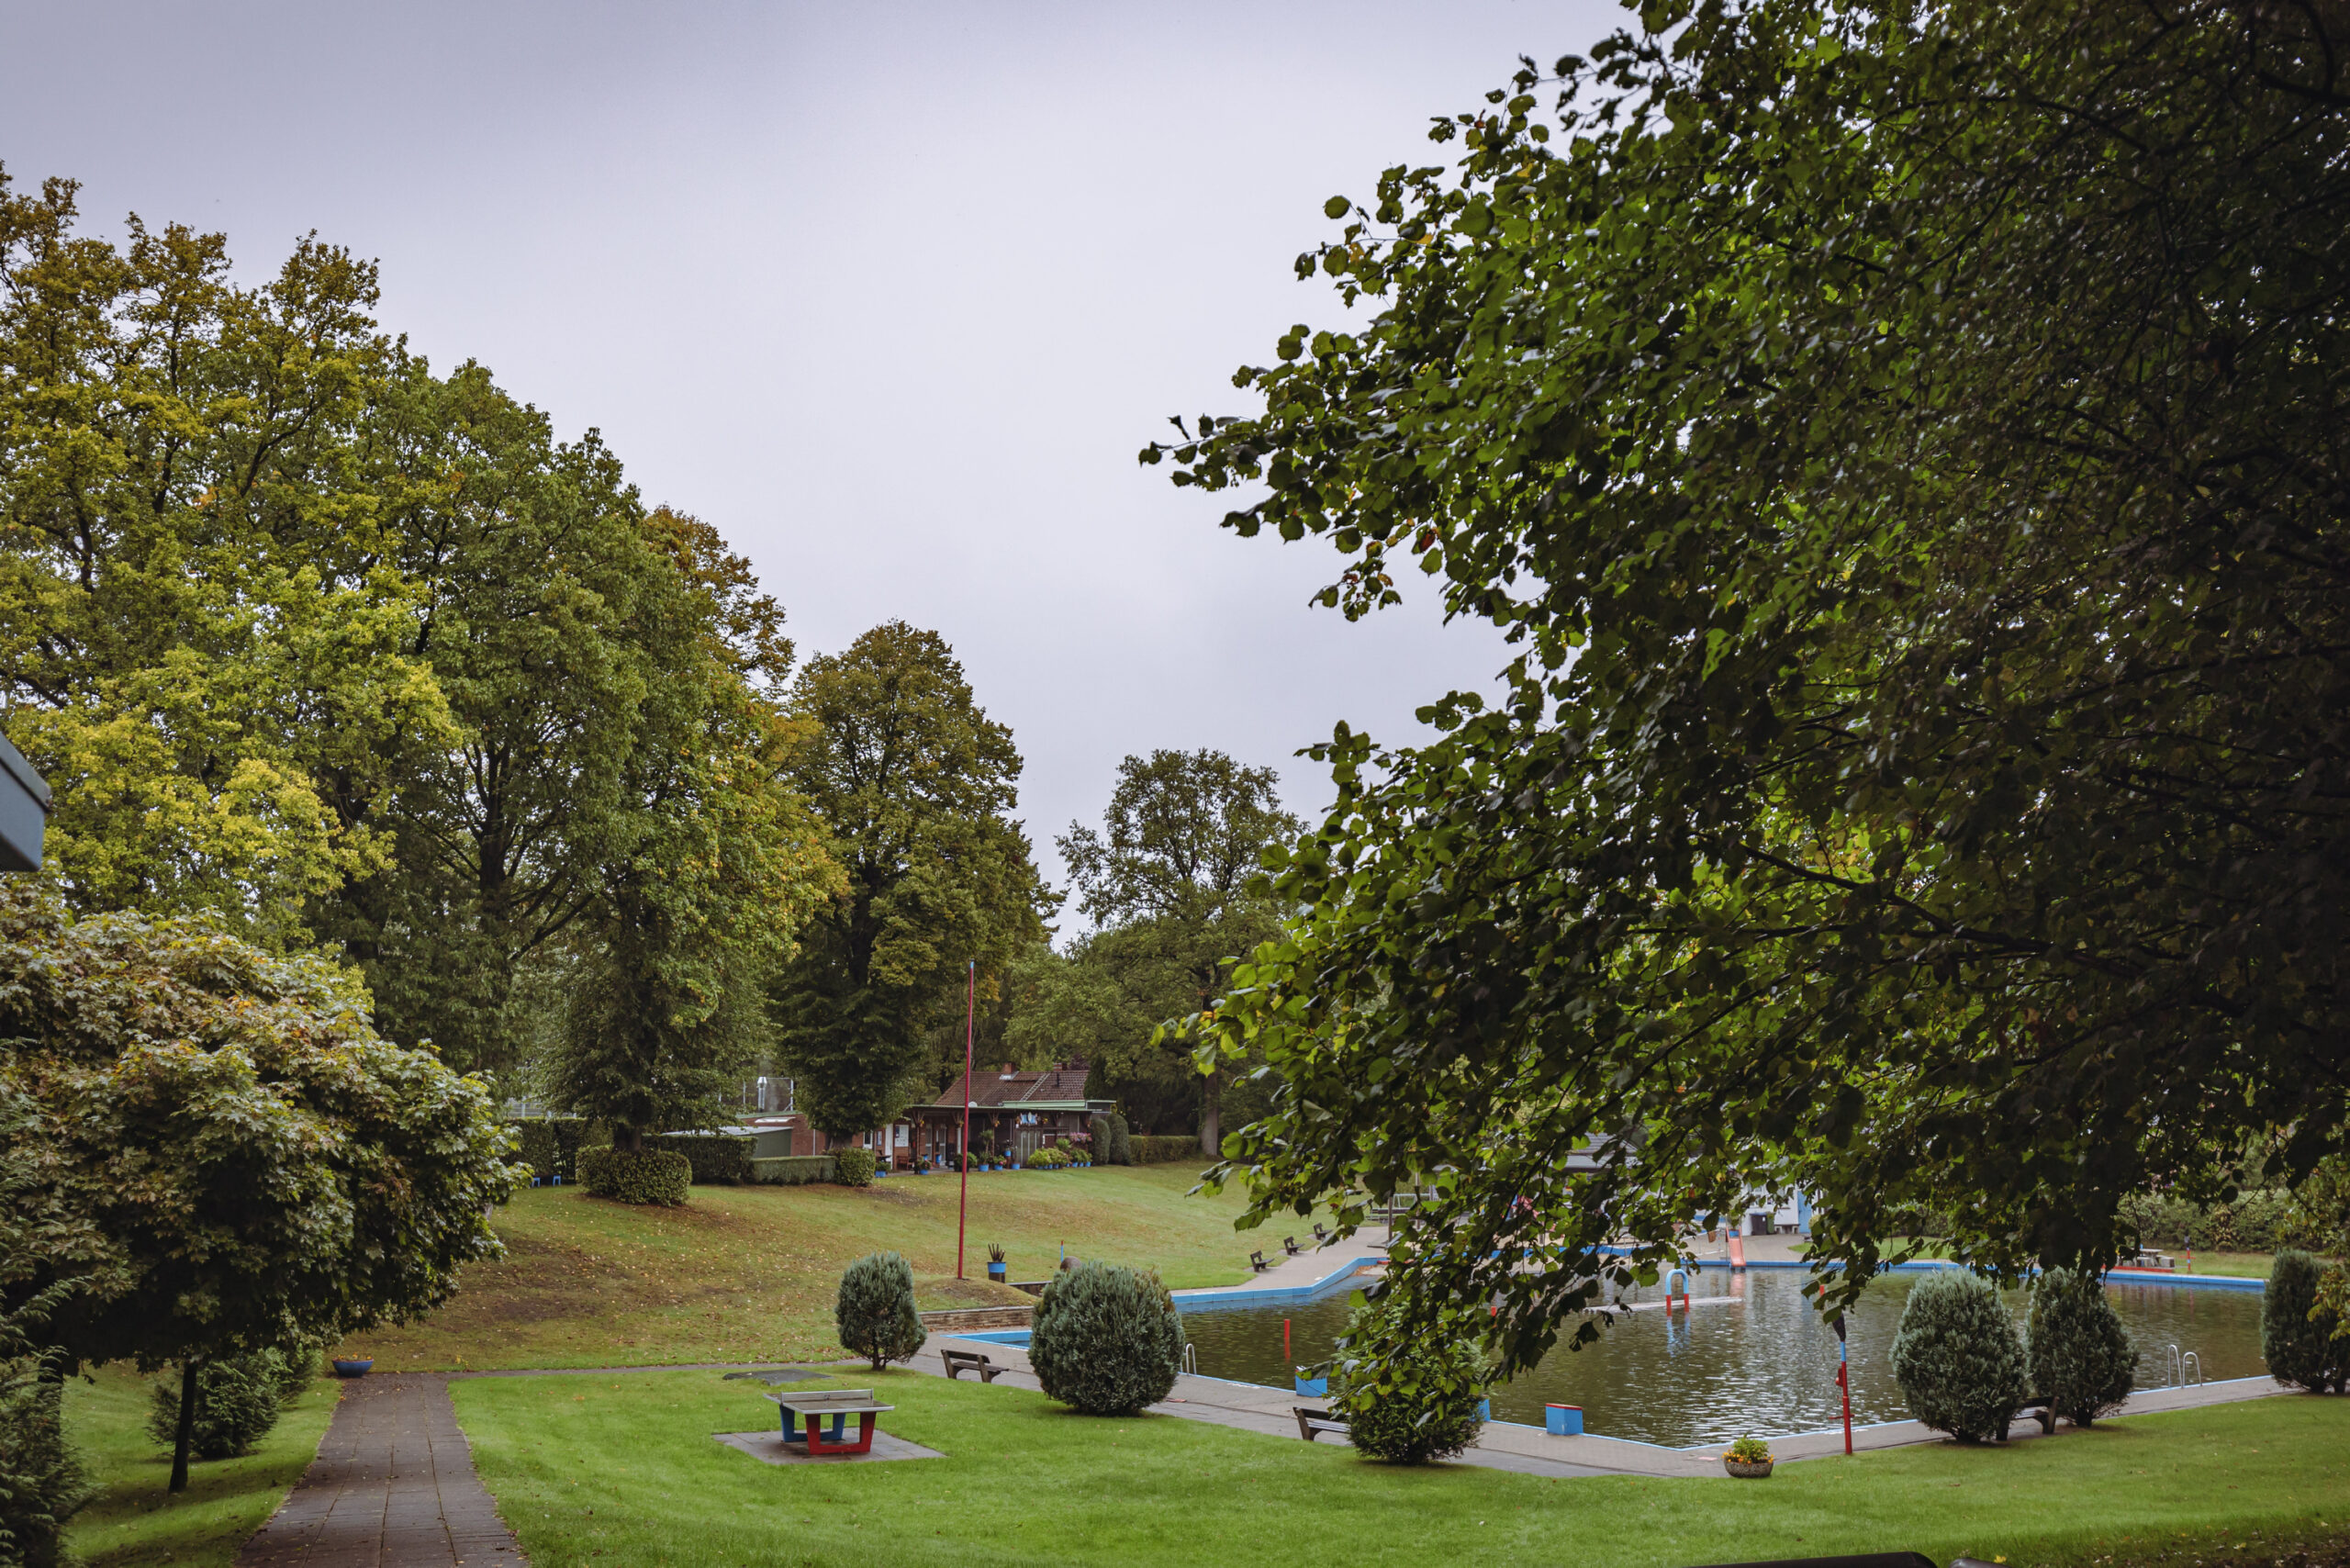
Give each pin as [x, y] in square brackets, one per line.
[1761, 1361]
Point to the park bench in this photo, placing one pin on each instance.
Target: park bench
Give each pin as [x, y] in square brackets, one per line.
[1256, 1260]
[1312, 1423]
[960, 1361]
[838, 1405]
[1321, 1235]
[1290, 1246]
[2036, 1406]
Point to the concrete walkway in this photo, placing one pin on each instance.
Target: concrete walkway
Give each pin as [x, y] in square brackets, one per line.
[393, 1486]
[1530, 1450]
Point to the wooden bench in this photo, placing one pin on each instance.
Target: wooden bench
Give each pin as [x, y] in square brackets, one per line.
[1290, 1246]
[960, 1361]
[1321, 1235]
[1256, 1260]
[837, 1403]
[2036, 1407]
[1312, 1423]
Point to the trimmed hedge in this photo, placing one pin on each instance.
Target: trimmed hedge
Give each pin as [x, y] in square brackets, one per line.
[874, 1314]
[717, 1160]
[2080, 1355]
[1957, 1358]
[1112, 1144]
[551, 1144]
[1156, 1148]
[853, 1166]
[2299, 1351]
[1107, 1340]
[642, 1176]
[792, 1170]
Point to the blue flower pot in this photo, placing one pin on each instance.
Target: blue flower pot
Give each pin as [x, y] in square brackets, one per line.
[352, 1369]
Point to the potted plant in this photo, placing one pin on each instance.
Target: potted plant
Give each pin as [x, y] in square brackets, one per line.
[995, 1263]
[1749, 1459]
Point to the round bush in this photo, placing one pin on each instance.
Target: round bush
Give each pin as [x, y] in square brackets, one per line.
[1107, 1340]
[2298, 1351]
[875, 1313]
[237, 1401]
[853, 1166]
[1414, 1405]
[637, 1176]
[1957, 1358]
[2080, 1356]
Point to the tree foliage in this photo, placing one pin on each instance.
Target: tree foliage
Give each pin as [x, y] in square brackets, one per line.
[1906, 448]
[2301, 1322]
[915, 785]
[1422, 1406]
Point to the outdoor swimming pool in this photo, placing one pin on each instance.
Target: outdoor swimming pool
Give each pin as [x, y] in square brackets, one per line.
[1761, 1362]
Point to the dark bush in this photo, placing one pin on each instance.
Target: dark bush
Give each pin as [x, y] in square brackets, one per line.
[875, 1312]
[237, 1402]
[718, 1161]
[551, 1144]
[1414, 1407]
[853, 1166]
[1107, 1339]
[2298, 1351]
[1957, 1358]
[1153, 1149]
[2080, 1356]
[42, 1481]
[639, 1176]
[1112, 1145]
[792, 1170]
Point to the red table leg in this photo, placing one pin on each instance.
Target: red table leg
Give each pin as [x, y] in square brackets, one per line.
[863, 1443]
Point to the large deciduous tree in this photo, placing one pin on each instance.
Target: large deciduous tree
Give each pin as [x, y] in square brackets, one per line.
[1174, 881]
[211, 1150]
[1907, 446]
[915, 786]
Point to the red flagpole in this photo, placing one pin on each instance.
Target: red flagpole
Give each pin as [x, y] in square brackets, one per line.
[970, 1028]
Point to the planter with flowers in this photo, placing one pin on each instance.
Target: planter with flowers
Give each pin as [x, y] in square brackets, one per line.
[1749, 1459]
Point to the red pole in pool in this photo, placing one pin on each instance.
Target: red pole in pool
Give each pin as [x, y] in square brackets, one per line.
[970, 1025]
[1285, 1341]
[1844, 1382]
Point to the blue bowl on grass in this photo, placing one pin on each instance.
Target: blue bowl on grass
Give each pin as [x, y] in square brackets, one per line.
[352, 1369]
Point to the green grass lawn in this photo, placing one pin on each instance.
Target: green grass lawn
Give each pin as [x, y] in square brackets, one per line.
[624, 1470]
[749, 1273]
[136, 1520]
[2243, 1265]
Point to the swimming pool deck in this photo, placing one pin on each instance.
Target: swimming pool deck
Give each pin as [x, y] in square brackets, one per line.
[1505, 1445]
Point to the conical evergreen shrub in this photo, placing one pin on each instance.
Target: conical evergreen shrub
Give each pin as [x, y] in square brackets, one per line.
[1107, 1340]
[43, 1482]
[1957, 1358]
[2298, 1351]
[2080, 1356]
[875, 1313]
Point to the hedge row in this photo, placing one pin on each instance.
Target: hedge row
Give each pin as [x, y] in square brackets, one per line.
[717, 1160]
[551, 1144]
[853, 1166]
[1156, 1148]
[792, 1170]
[637, 1176]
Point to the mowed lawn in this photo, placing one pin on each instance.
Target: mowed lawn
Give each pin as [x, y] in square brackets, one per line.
[136, 1520]
[623, 1469]
[749, 1273]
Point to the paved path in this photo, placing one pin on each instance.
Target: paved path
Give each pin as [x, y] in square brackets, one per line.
[393, 1486]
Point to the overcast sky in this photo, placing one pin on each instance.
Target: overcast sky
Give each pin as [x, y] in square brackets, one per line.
[890, 294]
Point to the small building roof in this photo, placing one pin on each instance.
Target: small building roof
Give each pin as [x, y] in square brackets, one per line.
[1060, 1088]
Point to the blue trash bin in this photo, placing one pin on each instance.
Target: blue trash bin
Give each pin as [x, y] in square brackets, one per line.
[1562, 1421]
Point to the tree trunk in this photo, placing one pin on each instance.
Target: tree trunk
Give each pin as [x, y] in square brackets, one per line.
[186, 1437]
[626, 1139]
[1211, 1115]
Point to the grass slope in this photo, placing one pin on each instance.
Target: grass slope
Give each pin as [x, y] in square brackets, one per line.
[137, 1520]
[624, 1470]
[749, 1273]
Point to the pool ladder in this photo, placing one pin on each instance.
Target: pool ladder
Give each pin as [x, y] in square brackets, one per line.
[2180, 1368]
[1191, 1358]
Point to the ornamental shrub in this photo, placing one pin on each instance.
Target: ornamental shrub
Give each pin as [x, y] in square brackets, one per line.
[2080, 1356]
[42, 1480]
[1416, 1405]
[637, 1176]
[853, 1166]
[1107, 1340]
[2300, 1351]
[237, 1402]
[875, 1313]
[1110, 1140]
[1957, 1358]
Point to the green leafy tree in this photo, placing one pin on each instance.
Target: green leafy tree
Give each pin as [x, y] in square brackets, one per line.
[915, 786]
[218, 1154]
[1900, 445]
[1175, 879]
[198, 624]
[1413, 1408]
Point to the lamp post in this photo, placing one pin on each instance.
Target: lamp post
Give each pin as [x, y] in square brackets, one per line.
[970, 1027]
